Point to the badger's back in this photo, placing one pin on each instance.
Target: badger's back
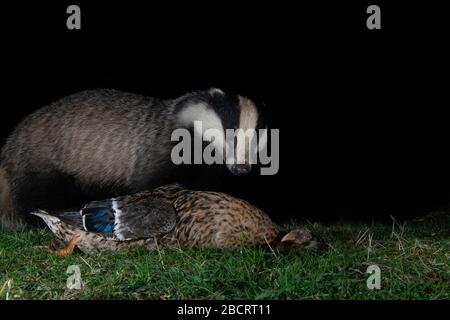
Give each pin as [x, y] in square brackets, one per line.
[99, 137]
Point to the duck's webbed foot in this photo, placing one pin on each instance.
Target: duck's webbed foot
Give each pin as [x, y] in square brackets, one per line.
[66, 251]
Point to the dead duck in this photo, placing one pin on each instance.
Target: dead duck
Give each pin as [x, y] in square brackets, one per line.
[171, 216]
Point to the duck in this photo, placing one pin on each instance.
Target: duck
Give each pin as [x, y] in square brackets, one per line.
[170, 216]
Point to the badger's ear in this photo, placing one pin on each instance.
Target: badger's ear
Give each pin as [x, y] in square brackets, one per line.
[215, 91]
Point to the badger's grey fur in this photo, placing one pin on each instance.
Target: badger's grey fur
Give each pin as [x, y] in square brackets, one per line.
[103, 143]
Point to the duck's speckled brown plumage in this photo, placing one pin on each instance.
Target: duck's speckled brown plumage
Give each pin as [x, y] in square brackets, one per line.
[204, 219]
[217, 220]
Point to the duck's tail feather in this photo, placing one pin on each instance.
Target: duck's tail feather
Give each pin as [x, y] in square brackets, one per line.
[48, 218]
[72, 217]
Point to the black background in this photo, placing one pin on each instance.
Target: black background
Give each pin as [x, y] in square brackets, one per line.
[362, 113]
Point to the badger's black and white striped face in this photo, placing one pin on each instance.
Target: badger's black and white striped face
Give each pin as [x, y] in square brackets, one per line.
[232, 123]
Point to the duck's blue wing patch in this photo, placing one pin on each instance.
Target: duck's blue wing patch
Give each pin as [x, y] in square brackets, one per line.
[100, 220]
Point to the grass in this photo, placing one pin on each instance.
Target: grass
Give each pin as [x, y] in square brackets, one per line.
[414, 258]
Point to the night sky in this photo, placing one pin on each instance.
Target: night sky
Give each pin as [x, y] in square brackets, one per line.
[362, 113]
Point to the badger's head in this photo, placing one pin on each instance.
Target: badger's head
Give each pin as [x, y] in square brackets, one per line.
[231, 123]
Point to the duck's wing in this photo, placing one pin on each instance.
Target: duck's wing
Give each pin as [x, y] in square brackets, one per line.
[144, 217]
[133, 217]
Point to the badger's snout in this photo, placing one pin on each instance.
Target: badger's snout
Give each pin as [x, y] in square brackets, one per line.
[240, 169]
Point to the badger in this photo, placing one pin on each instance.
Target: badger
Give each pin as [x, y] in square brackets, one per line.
[106, 142]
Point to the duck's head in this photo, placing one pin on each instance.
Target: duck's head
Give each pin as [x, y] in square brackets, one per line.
[301, 238]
